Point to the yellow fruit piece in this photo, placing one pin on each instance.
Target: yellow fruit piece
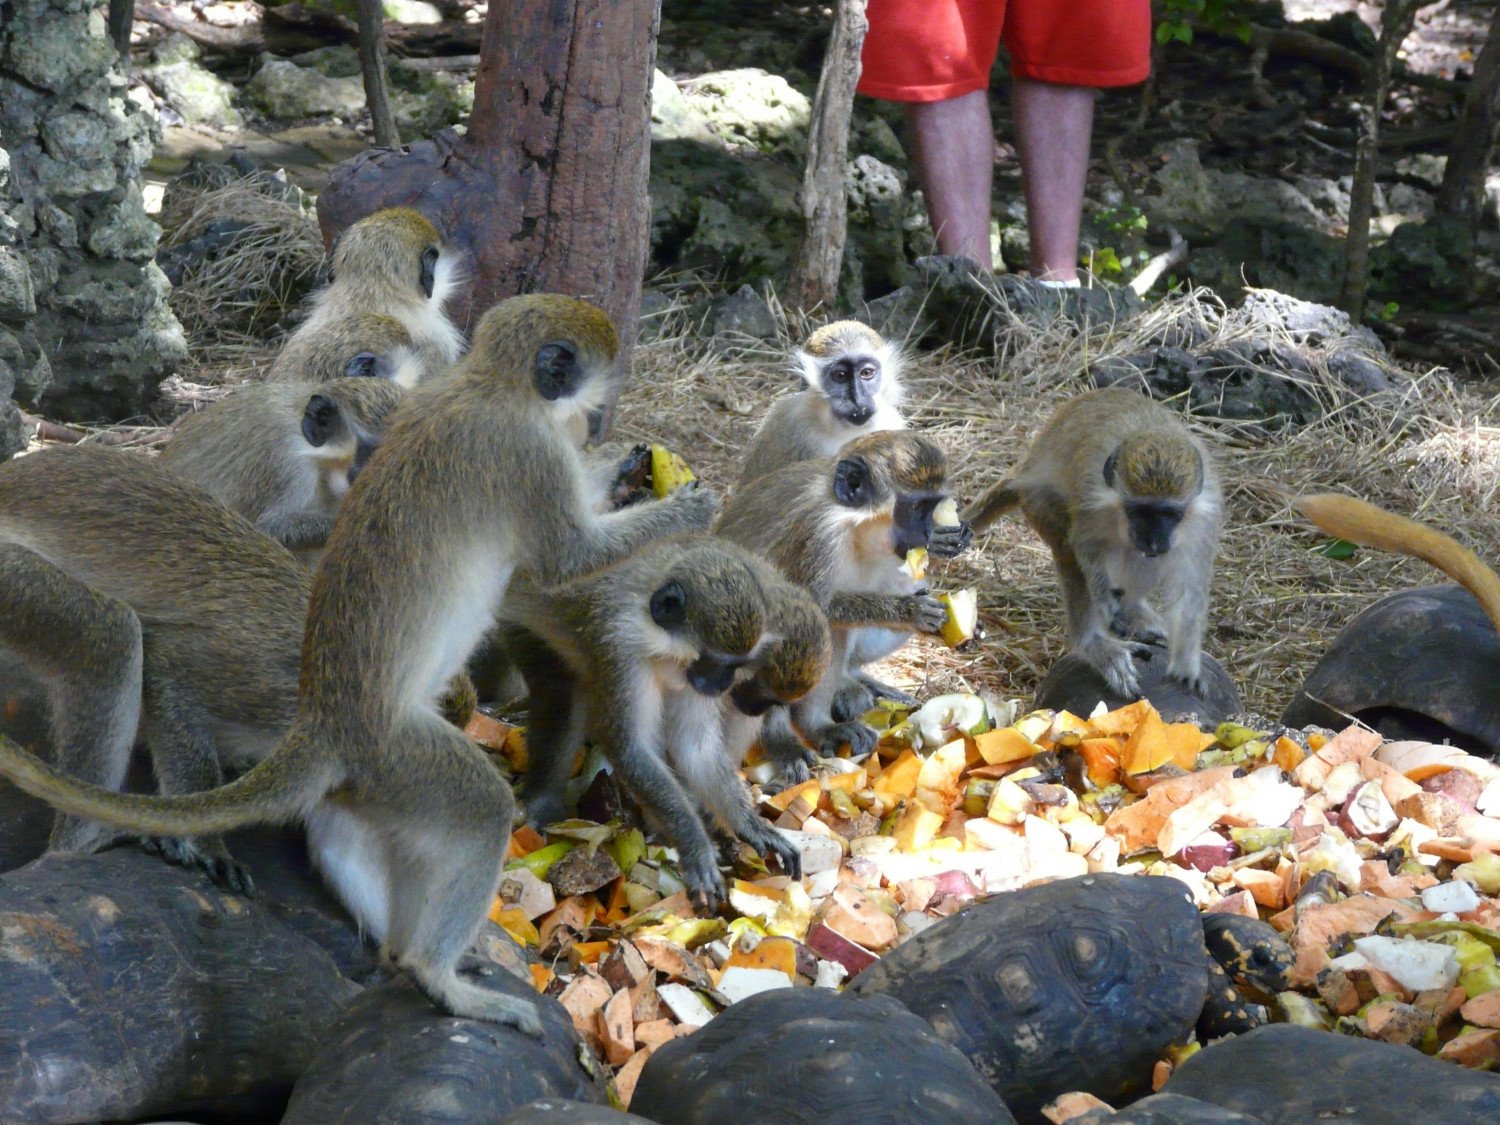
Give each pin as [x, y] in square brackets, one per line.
[669, 472]
[946, 514]
[1148, 747]
[1122, 720]
[1007, 744]
[962, 619]
[916, 563]
[513, 921]
[900, 777]
[916, 827]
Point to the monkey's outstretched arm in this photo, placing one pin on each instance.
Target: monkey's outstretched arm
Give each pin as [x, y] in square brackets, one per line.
[892, 611]
[1185, 582]
[1088, 602]
[628, 710]
[785, 750]
[1363, 523]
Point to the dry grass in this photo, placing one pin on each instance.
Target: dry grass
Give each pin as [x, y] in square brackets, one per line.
[1431, 451]
[229, 306]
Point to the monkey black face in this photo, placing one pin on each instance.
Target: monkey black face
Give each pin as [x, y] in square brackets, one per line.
[753, 698]
[912, 520]
[366, 365]
[322, 421]
[429, 271]
[1152, 523]
[850, 383]
[558, 372]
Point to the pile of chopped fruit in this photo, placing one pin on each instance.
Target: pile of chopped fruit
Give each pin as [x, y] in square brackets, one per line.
[1379, 862]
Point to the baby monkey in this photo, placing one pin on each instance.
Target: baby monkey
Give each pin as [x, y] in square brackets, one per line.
[1129, 503]
[854, 387]
[624, 654]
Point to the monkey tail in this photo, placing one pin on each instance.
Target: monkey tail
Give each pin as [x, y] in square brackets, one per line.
[279, 789]
[996, 501]
[1370, 526]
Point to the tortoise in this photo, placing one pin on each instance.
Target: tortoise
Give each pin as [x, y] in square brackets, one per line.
[389, 1058]
[1289, 1075]
[563, 1111]
[1080, 984]
[1075, 685]
[1417, 664]
[794, 1055]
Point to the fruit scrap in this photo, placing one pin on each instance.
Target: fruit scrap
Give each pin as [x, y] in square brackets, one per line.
[962, 622]
[669, 472]
[916, 563]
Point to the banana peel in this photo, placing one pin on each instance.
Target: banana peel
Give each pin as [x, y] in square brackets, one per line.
[669, 472]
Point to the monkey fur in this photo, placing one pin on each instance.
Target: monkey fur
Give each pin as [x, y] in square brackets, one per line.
[1128, 501]
[853, 379]
[840, 527]
[476, 479]
[392, 264]
[645, 655]
[284, 454]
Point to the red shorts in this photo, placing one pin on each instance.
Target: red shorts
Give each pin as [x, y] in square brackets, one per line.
[931, 50]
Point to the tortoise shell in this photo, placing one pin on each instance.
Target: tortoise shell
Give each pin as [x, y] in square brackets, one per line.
[1418, 664]
[1075, 685]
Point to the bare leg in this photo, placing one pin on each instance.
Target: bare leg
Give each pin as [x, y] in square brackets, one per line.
[953, 148]
[1053, 128]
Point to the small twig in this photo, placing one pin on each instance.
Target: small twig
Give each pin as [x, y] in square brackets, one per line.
[372, 69]
[52, 431]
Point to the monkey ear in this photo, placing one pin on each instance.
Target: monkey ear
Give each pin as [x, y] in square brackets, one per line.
[669, 606]
[365, 365]
[429, 270]
[851, 478]
[1109, 468]
[320, 421]
[557, 371]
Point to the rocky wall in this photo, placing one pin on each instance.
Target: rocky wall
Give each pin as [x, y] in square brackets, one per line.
[77, 217]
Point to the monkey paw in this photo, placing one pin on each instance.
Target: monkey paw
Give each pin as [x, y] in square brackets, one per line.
[213, 859]
[700, 872]
[860, 739]
[769, 842]
[946, 542]
[701, 504]
[1195, 682]
[1133, 626]
[927, 613]
[851, 701]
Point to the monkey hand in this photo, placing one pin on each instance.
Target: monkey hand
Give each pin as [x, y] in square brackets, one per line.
[946, 542]
[1133, 625]
[699, 504]
[927, 613]
[699, 867]
[207, 853]
[1112, 658]
[770, 842]
[1189, 676]
[852, 700]
[857, 736]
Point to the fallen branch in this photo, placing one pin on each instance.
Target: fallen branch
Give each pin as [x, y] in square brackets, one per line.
[1174, 255]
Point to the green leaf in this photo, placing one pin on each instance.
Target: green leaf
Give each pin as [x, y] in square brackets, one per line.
[1336, 549]
[1184, 33]
[1242, 31]
[586, 832]
[1164, 34]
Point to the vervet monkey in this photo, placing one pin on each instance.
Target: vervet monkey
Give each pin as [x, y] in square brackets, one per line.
[393, 264]
[477, 479]
[1365, 524]
[641, 654]
[841, 528]
[284, 454]
[367, 345]
[853, 388]
[1129, 503]
[150, 611]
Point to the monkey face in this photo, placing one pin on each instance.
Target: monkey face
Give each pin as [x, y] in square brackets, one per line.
[851, 383]
[1152, 523]
[912, 520]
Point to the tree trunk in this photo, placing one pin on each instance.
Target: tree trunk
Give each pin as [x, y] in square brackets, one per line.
[547, 189]
[372, 69]
[1395, 23]
[121, 13]
[815, 278]
[1461, 195]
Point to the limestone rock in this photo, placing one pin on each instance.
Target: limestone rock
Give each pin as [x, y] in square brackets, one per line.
[189, 87]
[284, 89]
